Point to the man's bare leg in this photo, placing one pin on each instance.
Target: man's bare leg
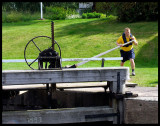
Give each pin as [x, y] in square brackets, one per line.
[132, 63]
[122, 63]
[132, 66]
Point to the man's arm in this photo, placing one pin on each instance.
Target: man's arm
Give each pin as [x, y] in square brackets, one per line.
[119, 44]
[135, 42]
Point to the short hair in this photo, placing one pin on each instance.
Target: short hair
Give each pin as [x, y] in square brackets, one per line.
[127, 29]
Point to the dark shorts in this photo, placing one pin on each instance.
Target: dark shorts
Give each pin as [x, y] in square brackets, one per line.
[127, 55]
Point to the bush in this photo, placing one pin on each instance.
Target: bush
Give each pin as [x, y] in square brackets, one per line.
[97, 15]
[55, 13]
[91, 15]
[11, 17]
[84, 15]
[70, 11]
[72, 14]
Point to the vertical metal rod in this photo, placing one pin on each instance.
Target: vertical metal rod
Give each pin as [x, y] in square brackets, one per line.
[102, 62]
[52, 34]
[41, 10]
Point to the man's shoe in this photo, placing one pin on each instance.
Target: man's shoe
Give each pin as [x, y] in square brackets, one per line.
[133, 74]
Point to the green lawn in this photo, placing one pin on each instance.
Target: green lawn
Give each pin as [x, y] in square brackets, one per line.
[85, 38]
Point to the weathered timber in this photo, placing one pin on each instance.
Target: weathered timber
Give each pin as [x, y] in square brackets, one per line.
[24, 87]
[61, 86]
[58, 86]
[20, 77]
[59, 116]
[114, 76]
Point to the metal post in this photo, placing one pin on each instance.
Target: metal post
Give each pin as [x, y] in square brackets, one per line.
[52, 34]
[41, 10]
[102, 62]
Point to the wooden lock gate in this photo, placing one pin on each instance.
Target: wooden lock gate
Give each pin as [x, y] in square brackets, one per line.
[115, 78]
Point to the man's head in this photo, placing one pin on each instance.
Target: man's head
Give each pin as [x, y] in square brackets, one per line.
[127, 32]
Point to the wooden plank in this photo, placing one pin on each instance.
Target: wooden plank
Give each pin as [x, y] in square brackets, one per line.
[58, 86]
[90, 86]
[24, 87]
[58, 116]
[71, 75]
[129, 84]
[80, 85]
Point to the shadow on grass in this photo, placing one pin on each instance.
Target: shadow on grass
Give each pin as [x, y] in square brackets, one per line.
[148, 55]
[103, 26]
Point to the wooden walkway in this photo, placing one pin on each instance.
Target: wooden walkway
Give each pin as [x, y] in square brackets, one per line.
[116, 75]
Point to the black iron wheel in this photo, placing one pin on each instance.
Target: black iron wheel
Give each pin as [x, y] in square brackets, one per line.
[35, 46]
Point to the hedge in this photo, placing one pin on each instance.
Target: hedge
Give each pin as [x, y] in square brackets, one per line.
[91, 15]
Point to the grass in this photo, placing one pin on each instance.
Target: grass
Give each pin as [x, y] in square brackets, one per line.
[84, 38]
[14, 16]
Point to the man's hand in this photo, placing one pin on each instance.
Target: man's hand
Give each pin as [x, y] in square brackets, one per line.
[135, 42]
[119, 44]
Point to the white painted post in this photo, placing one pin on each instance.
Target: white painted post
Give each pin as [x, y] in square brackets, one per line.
[41, 10]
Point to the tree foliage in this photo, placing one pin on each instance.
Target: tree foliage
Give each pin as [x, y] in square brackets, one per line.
[35, 6]
[21, 6]
[129, 11]
[107, 8]
[126, 11]
[137, 11]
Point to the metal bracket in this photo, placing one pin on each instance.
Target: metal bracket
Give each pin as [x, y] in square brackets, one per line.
[127, 94]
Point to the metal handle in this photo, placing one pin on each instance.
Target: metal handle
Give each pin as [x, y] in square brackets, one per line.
[52, 34]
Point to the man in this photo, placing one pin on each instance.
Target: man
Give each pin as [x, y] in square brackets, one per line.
[127, 51]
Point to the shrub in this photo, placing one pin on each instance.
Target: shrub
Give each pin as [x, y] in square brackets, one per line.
[70, 11]
[102, 15]
[72, 14]
[97, 15]
[55, 13]
[111, 18]
[13, 17]
[91, 15]
[84, 15]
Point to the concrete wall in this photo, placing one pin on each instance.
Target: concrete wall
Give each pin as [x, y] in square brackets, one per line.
[141, 111]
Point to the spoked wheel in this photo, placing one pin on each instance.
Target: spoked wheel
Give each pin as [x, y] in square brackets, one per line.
[34, 47]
